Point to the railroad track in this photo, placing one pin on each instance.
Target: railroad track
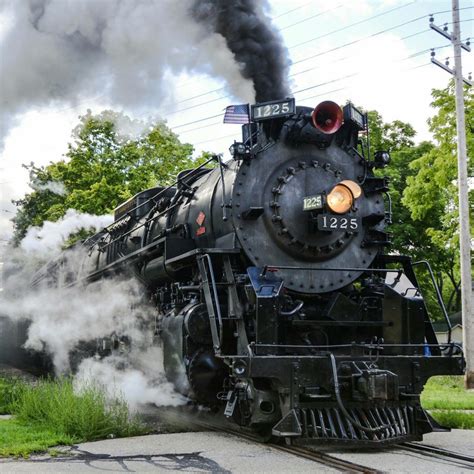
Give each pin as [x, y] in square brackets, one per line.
[323, 458]
[326, 459]
[459, 460]
[433, 451]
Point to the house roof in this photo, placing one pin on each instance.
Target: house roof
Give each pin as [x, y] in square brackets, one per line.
[455, 318]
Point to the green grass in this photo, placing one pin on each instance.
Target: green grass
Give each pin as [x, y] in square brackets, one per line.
[10, 390]
[447, 400]
[50, 412]
[447, 393]
[20, 440]
[454, 419]
[87, 415]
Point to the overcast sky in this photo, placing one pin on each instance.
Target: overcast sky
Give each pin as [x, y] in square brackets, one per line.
[374, 53]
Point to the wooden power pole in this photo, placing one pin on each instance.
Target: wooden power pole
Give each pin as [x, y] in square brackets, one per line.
[463, 190]
[463, 187]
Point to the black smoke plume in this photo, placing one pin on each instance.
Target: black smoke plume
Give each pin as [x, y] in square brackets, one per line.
[255, 43]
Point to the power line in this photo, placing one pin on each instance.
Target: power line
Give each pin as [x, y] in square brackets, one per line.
[347, 44]
[311, 17]
[306, 98]
[350, 43]
[373, 17]
[196, 121]
[299, 72]
[294, 92]
[285, 27]
[354, 24]
[331, 82]
[373, 35]
[312, 39]
[292, 10]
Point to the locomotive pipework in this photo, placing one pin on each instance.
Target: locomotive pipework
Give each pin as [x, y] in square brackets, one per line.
[275, 292]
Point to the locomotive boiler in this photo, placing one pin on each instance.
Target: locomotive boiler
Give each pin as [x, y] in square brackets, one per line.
[274, 292]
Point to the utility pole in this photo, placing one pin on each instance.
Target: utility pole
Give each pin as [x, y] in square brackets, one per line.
[463, 192]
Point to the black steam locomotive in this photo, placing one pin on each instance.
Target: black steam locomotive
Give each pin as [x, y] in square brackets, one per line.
[274, 294]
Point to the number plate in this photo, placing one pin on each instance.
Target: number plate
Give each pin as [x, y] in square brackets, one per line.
[270, 110]
[330, 222]
[312, 202]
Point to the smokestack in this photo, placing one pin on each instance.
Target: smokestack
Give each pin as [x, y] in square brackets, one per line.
[257, 47]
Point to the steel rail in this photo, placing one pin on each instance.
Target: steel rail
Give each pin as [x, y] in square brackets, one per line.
[192, 420]
[326, 459]
[312, 455]
[434, 451]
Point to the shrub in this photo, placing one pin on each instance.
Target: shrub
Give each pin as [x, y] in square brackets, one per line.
[85, 416]
[10, 391]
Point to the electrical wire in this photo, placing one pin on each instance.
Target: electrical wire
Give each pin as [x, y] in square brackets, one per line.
[305, 89]
[292, 10]
[373, 35]
[321, 54]
[313, 39]
[312, 97]
[311, 17]
[350, 43]
[360, 22]
[284, 28]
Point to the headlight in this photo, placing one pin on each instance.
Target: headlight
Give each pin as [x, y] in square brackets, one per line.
[340, 199]
[356, 190]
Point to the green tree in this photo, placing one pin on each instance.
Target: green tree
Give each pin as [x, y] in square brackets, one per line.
[389, 136]
[397, 138]
[431, 192]
[102, 168]
[409, 236]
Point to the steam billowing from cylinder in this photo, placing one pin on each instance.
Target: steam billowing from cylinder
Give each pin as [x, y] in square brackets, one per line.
[256, 45]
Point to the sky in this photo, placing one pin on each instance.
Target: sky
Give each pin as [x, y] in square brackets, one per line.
[375, 53]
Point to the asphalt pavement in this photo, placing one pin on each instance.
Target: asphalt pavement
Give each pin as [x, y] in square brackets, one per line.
[225, 453]
[184, 452]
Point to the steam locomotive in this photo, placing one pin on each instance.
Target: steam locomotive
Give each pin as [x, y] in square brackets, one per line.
[275, 296]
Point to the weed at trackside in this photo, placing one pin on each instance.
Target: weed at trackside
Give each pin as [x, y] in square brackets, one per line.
[51, 412]
[10, 391]
[86, 415]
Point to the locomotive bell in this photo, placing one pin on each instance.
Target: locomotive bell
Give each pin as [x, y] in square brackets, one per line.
[327, 117]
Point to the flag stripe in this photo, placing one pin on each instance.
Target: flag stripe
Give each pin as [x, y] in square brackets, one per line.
[237, 114]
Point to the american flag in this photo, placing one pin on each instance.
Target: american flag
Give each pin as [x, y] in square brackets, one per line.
[237, 114]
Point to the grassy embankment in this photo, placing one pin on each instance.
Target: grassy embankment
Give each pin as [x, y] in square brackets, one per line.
[50, 414]
[448, 402]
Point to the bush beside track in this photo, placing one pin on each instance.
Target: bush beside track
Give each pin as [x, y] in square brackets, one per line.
[49, 413]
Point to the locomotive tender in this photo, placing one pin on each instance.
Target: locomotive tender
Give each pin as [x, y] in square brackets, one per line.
[274, 294]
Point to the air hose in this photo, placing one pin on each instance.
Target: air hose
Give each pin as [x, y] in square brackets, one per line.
[341, 405]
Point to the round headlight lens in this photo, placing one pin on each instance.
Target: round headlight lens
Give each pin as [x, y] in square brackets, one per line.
[340, 199]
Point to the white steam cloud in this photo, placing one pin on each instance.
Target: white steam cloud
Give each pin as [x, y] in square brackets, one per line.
[55, 187]
[48, 239]
[66, 320]
[139, 378]
[64, 50]
[61, 318]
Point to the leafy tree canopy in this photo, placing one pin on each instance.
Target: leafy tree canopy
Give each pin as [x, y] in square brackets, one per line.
[424, 189]
[110, 159]
[431, 194]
